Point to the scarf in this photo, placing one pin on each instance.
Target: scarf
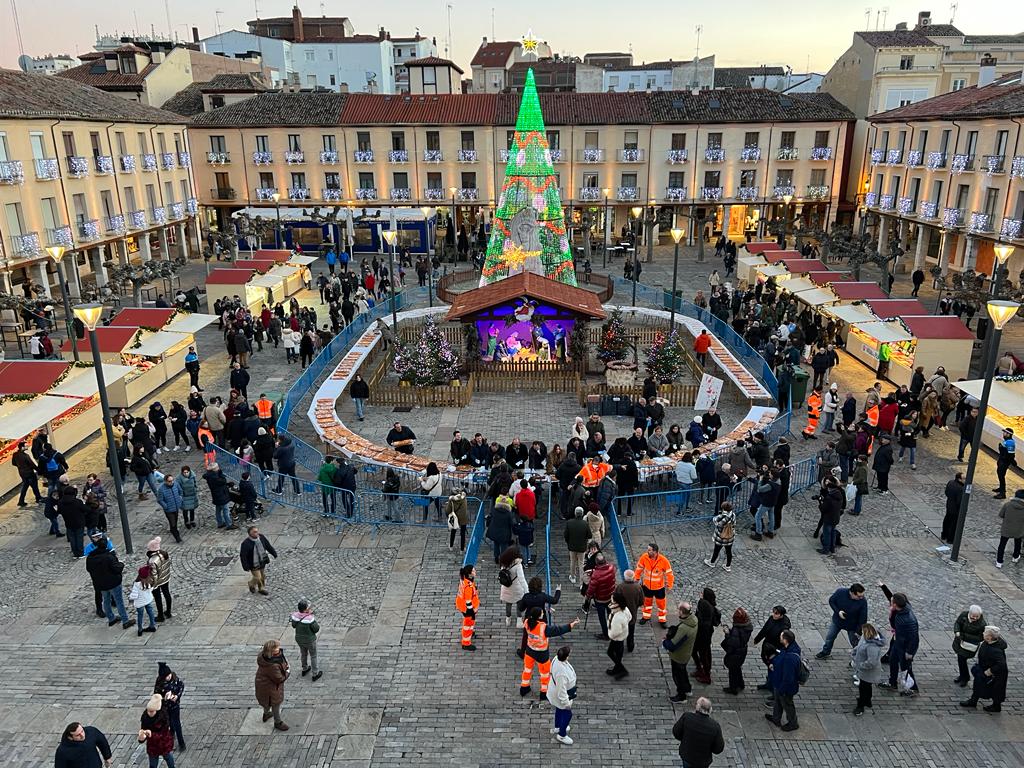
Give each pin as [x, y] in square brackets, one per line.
[260, 554]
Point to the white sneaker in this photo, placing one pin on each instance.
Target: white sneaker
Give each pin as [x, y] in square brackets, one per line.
[177, 448]
[1016, 559]
[998, 564]
[508, 621]
[728, 569]
[708, 563]
[519, 623]
[188, 448]
[564, 739]
[572, 579]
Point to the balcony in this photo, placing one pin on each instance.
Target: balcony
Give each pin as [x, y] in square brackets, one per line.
[503, 155]
[677, 156]
[184, 159]
[89, 230]
[817, 192]
[1011, 229]
[329, 157]
[362, 156]
[432, 155]
[788, 153]
[127, 163]
[877, 156]
[952, 218]
[779, 191]
[556, 155]
[78, 167]
[928, 210]
[632, 155]
[331, 194]
[115, 225]
[627, 194]
[435, 194]
[714, 155]
[904, 206]
[222, 193]
[401, 194]
[47, 169]
[104, 164]
[168, 160]
[136, 219]
[467, 156]
[750, 154]
[468, 194]
[747, 194]
[915, 158]
[366, 193]
[821, 153]
[176, 211]
[266, 194]
[294, 157]
[60, 236]
[158, 216]
[192, 206]
[962, 164]
[26, 245]
[675, 194]
[935, 160]
[993, 164]
[149, 161]
[1017, 167]
[871, 199]
[262, 158]
[894, 157]
[590, 155]
[887, 203]
[12, 172]
[590, 194]
[298, 193]
[398, 156]
[980, 222]
[710, 194]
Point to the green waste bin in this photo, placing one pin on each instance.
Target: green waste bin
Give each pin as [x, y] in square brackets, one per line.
[798, 387]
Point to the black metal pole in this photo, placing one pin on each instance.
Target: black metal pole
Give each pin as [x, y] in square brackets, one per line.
[979, 428]
[108, 427]
[391, 268]
[604, 251]
[68, 324]
[675, 277]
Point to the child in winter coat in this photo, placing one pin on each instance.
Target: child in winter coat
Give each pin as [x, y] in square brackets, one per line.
[142, 599]
[524, 530]
[867, 665]
[189, 496]
[306, 628]
[392, 486]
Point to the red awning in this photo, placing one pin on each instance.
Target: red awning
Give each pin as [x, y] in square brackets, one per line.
[275, 255]
[857, 291]
[29, 377]
[804, 265]
[229, 277]
[886, 308]
[823, 278]
[142, 317]
[756, 248]
[262, 265]
[774, 257]
[937, 327]
[111, 339]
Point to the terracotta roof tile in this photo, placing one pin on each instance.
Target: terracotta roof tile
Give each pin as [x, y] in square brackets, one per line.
[739, 77]
[277, 109]
[95, 73]
[897, 38]
[1004, 97]
[234, 82]
[493, 54]
[939, 30]
[186, 102]
[442, 109]
[434, 61]
[535, 286]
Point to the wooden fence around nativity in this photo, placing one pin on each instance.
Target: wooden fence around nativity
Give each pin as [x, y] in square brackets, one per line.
[444, 396]
[678, 395]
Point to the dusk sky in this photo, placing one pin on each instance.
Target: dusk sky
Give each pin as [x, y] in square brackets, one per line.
[740, 33]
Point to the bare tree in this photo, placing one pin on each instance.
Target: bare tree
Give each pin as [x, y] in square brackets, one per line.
[146, 272]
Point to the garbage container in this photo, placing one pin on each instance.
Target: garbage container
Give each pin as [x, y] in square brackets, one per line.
[593, 404]
[798, 387]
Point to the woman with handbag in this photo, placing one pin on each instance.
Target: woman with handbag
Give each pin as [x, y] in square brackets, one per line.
[990, 673]
[431, 485]
[968, 633]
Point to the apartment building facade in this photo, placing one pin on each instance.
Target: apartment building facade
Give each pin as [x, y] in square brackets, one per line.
[734, 155]
[946, 177]
[108, 179]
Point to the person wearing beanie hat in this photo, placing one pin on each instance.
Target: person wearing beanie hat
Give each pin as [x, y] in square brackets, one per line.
[141, 598]
[830, 406]
[155, 732]
[170, 688]
[306, 627]
[160, 565]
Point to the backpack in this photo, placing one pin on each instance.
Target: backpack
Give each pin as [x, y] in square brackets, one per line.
[803, 672]
[505, 577]
[52, 465]
[728, 531]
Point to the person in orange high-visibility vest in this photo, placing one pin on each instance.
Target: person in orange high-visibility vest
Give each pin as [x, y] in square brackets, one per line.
[265, 410]
[814, 403]
[593, 472]
[537, 634]
[467, 601]
[654, 572]
[872, 412]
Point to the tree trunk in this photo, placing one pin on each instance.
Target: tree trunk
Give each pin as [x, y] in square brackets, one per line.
[137, 293]
[700, 241]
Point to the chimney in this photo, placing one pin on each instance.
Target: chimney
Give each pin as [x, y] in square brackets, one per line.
[924, 19]
[195, 34]
[987, 71]
[297, 33]
[485, 39]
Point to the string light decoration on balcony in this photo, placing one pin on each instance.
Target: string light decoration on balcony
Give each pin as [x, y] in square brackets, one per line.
[528, 217]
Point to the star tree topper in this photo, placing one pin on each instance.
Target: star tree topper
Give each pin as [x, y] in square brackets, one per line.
[529, 43]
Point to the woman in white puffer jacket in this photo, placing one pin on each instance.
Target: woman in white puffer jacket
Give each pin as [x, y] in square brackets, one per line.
[561, 692]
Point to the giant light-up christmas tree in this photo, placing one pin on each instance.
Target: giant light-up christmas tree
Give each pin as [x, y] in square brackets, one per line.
[528, 232]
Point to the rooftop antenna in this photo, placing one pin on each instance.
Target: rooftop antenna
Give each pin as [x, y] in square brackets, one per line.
[867, 18]
[17, 27]
[492, 23]
[216, 16]
[448, 40]
[885, 13]
[952, 12]
[698, 29]
[167, 12]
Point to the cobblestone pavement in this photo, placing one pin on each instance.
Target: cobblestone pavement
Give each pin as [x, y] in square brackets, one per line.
[397, 688]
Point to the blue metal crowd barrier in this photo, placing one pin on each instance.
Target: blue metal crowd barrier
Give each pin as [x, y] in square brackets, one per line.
[476, 537]
[618, 542]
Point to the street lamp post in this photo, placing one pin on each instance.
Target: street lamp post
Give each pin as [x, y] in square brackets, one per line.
[90, 315]
[787, 199]
[649, 233]
[277, 206]
[604, 257]
[637, 211]
[677, 235]
[455, 232]
[430, 261]
[57, 254]
[390, 236]
[1002, 253]
[1000, 312]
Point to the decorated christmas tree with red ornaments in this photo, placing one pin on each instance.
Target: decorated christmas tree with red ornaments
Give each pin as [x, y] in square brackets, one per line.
[528, 233]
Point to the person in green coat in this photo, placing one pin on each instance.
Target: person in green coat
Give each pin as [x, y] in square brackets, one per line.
[325, 479]
[968, 632]
[306, 627]
[679, 640]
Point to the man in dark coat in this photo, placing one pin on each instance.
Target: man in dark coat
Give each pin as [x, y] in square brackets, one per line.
[255, 555]
[954, 495]
[700, 737]
[400, 433]
[849, 613]
[459, 449]
[106, 571]
[905, 639]
[784, 675]
[240, 379]
[345, 479]
[82, 746]
[219, 496]
[74, 512]
[883, 462]
[284, 457]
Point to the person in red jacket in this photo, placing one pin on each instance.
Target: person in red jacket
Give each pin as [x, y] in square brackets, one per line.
[526, 500]
[701, 345]
[600, 589]
[887, 415]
